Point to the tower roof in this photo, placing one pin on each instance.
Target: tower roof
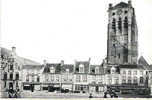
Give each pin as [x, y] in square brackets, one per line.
[120, 5]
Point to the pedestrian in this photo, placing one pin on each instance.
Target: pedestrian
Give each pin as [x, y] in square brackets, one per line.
[90, 96]
[105, 95]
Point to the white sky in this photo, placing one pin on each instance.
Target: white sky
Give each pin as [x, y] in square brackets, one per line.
[67, 29]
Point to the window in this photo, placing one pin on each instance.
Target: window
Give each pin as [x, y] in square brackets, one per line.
[129, 80]
[78, 78]
[67, 70]
[11, 67]
[116, 81]
[141, 72]
[135, 80]
[120, 25]
[81, 68]
[52, 70]
[135, 72]
[113, 13]
[57, 78]
[114, 25]
[124, 79]
[126, 23]
[129, 72]
[124, 72]
[119, 55]
[11, 76]
[38, 78]
[52, 77]
[32, 78]
[17, 76]
[5, 76]
[84, 78]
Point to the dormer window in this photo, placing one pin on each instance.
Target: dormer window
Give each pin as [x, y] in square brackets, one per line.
[97, 70]
[52, 70]
[81, 68]
[67, 70]
[27, 78]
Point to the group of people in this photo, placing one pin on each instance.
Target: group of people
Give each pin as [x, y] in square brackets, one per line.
[13, 93]
[109, 93]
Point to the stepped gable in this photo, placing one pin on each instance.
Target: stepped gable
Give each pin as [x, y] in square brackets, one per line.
[21, 60]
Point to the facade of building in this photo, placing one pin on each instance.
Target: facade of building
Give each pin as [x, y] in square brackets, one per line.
[11, 71]
[78, 77]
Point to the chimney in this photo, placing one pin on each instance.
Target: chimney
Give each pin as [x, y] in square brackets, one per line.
[129, 3]
[89, 59]
[110, 5]
[44, 62]
[62, 62]
[14, 49]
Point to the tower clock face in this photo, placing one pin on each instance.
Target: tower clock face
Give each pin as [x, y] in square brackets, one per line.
[119, 11]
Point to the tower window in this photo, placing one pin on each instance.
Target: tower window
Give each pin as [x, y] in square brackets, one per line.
[126, 12]
[119, 55]
[114, 25]
[113, 13]
[126, 23]
[119, 25]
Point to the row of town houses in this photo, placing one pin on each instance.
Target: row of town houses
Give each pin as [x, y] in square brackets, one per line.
[81, 76]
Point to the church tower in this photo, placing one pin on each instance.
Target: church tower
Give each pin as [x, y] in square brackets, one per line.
[122, 38]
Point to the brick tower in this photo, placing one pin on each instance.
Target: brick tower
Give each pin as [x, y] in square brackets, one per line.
[122, 38]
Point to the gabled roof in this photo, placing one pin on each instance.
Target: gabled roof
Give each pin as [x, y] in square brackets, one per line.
[142, 61]
[56, 66]
[67, 66]
[84, 63]
[92, 69]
